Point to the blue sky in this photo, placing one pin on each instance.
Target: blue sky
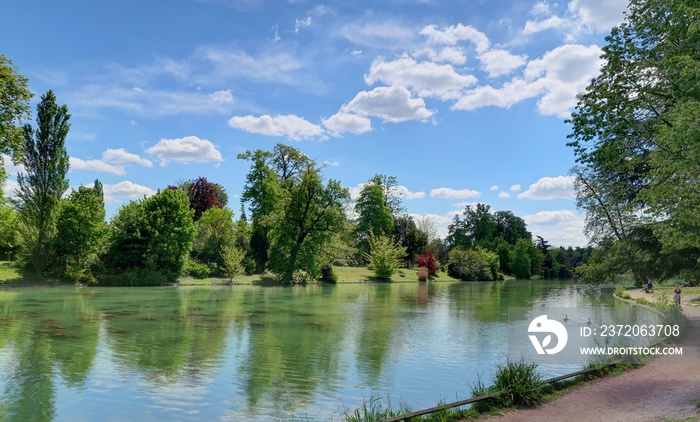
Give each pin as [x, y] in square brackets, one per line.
[462, 101]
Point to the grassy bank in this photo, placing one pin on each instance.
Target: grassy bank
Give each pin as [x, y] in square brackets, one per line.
[11, 276]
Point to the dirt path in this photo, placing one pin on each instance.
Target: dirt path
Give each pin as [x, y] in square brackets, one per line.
[667, 388]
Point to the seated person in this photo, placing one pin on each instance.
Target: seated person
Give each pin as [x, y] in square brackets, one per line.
[649, 287]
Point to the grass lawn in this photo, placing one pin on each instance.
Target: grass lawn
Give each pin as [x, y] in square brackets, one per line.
[12, 276]
[15, 277]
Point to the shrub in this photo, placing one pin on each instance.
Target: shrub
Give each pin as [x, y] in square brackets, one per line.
[328, 275]
[473, 264]
[428, 261]
[384, 256]
[300, 277]
[423, 274]
[233, 258]
[196, 269]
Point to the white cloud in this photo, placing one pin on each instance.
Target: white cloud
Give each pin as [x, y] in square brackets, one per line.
[599, 15]
[449, 193]
[95, 165]
[122, 156]
[189, 149]
[300, 23]
[451, 35]
[150, 102]
[515, 188]
[347, 122]
[334, 163]
[500, 62]
[547, 188]
[10, 168]
[374, 33]
[405, 193]
[504, 195]
[493, 188]
[553, 22]
[427, 79]
[10, 187]
[559, 228]
[291, 126]
[222, 97]
[392, 104]
[454, 55]
[222, 64]
[125, 190]
[557, 78]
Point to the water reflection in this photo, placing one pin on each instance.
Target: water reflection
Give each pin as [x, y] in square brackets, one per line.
[253, 353]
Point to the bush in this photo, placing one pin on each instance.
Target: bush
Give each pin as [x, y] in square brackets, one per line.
[196, 269]
[423, 274]
[300, 277]
[328, 275]
[384, 256]
[428, 261]
[474, 264]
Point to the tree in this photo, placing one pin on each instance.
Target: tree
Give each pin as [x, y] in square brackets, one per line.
[634, 134]
[303, 222]
[427, 226]
[384, 256]
[520, 260]
[510, 227]
[428, 261]
[233, 257]
[45, 159]
[261, 192]
[14, 108]
[9, 234]
[477, 227]
[153, 234]
[213, 231]
[81, 227]
[204, 195]
[374, 216]
[407, 234]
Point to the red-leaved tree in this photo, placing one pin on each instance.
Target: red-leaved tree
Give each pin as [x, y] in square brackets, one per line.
[428, 260]
[203, 195]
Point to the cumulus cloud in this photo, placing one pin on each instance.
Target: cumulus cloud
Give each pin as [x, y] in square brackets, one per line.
[392, 104]
[427, 79]
[560, 228]
[222, 97]
[515, 188]
[451, 35]
[189, 149]
[504, 195]
[552, 22]
[291, 126]
[405, 193]
[449, 193]
[342, 122]
[125, 190]
[122, 156]
[493, 188]
[500, 62]
[547, 188]
[599, 15]
[557, 78]
[95, 165]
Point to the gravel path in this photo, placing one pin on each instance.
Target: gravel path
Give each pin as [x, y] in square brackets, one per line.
[664, 389]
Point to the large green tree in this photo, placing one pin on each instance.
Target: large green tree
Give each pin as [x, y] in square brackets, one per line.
[14, 108]
[304, 220]
[81, 227]
[45, 160]
[153, 234]
[635, 134]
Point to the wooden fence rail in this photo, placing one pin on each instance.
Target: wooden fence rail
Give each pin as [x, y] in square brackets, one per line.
[407, 417]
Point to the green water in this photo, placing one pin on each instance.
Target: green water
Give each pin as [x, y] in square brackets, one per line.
[256, 353]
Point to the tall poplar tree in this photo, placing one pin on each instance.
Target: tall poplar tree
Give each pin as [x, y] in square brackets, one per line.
[46, 162]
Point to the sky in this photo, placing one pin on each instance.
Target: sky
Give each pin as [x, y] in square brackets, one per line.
[462, 101]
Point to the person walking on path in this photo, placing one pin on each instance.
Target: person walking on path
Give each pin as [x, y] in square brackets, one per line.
[677, 294]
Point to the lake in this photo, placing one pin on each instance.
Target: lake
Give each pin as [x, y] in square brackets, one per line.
[242, 353]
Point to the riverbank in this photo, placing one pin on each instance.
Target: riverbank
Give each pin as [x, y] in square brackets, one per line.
[664, 389]
[14, 277]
